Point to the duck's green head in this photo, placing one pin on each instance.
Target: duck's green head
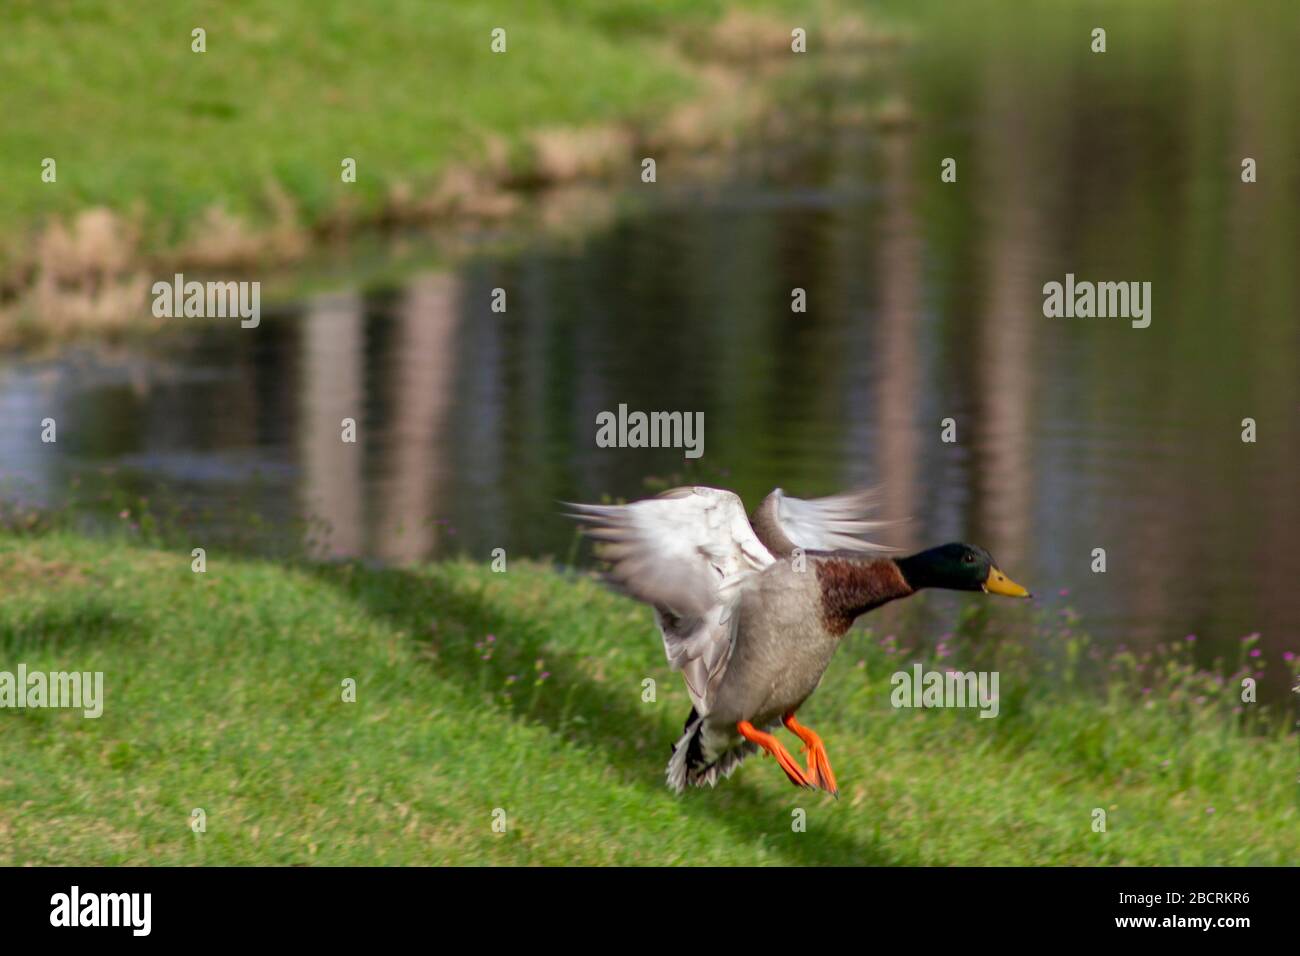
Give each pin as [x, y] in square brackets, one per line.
[957, 567]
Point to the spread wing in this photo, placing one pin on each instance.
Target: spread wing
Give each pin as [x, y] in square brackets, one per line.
[689, 553]
[835, 523]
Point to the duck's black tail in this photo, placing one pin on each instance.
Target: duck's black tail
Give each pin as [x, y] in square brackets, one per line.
[689, 767]
[688, 754]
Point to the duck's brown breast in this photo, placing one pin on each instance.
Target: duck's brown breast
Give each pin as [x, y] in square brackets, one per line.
[850, 586]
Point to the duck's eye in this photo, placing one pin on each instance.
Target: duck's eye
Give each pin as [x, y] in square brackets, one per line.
[968, 558]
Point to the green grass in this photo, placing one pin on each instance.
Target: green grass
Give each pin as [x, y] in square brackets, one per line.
[288, 88]
[223, 692]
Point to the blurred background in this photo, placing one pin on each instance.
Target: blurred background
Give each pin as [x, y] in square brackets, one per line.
[924, 302]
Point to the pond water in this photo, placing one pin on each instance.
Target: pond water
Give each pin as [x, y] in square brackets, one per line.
[924, 303]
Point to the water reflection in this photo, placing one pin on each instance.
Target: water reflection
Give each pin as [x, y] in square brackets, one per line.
[332, 391]
[412, 477]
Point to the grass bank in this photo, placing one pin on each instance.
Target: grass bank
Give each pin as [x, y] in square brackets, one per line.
[232, 157]
[522, 692]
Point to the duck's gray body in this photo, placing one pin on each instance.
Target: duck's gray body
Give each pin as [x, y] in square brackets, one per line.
[750, 613]
[781, 652]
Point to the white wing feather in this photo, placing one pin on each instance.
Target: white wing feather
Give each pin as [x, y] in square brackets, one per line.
[689, 553]
[834, 523]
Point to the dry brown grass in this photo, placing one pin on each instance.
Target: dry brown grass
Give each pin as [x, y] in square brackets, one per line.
[85, 273]
[220, 240]
[749, 36]
[563, 155]
[745, 35]
[19, 569]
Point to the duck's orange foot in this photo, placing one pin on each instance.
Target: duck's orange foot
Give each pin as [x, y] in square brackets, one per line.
[777, 750]
[819, 765]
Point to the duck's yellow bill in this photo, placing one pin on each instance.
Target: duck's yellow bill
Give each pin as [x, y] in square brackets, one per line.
[999, 583]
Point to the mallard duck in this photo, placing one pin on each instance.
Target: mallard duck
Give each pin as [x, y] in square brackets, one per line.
[751, 609]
